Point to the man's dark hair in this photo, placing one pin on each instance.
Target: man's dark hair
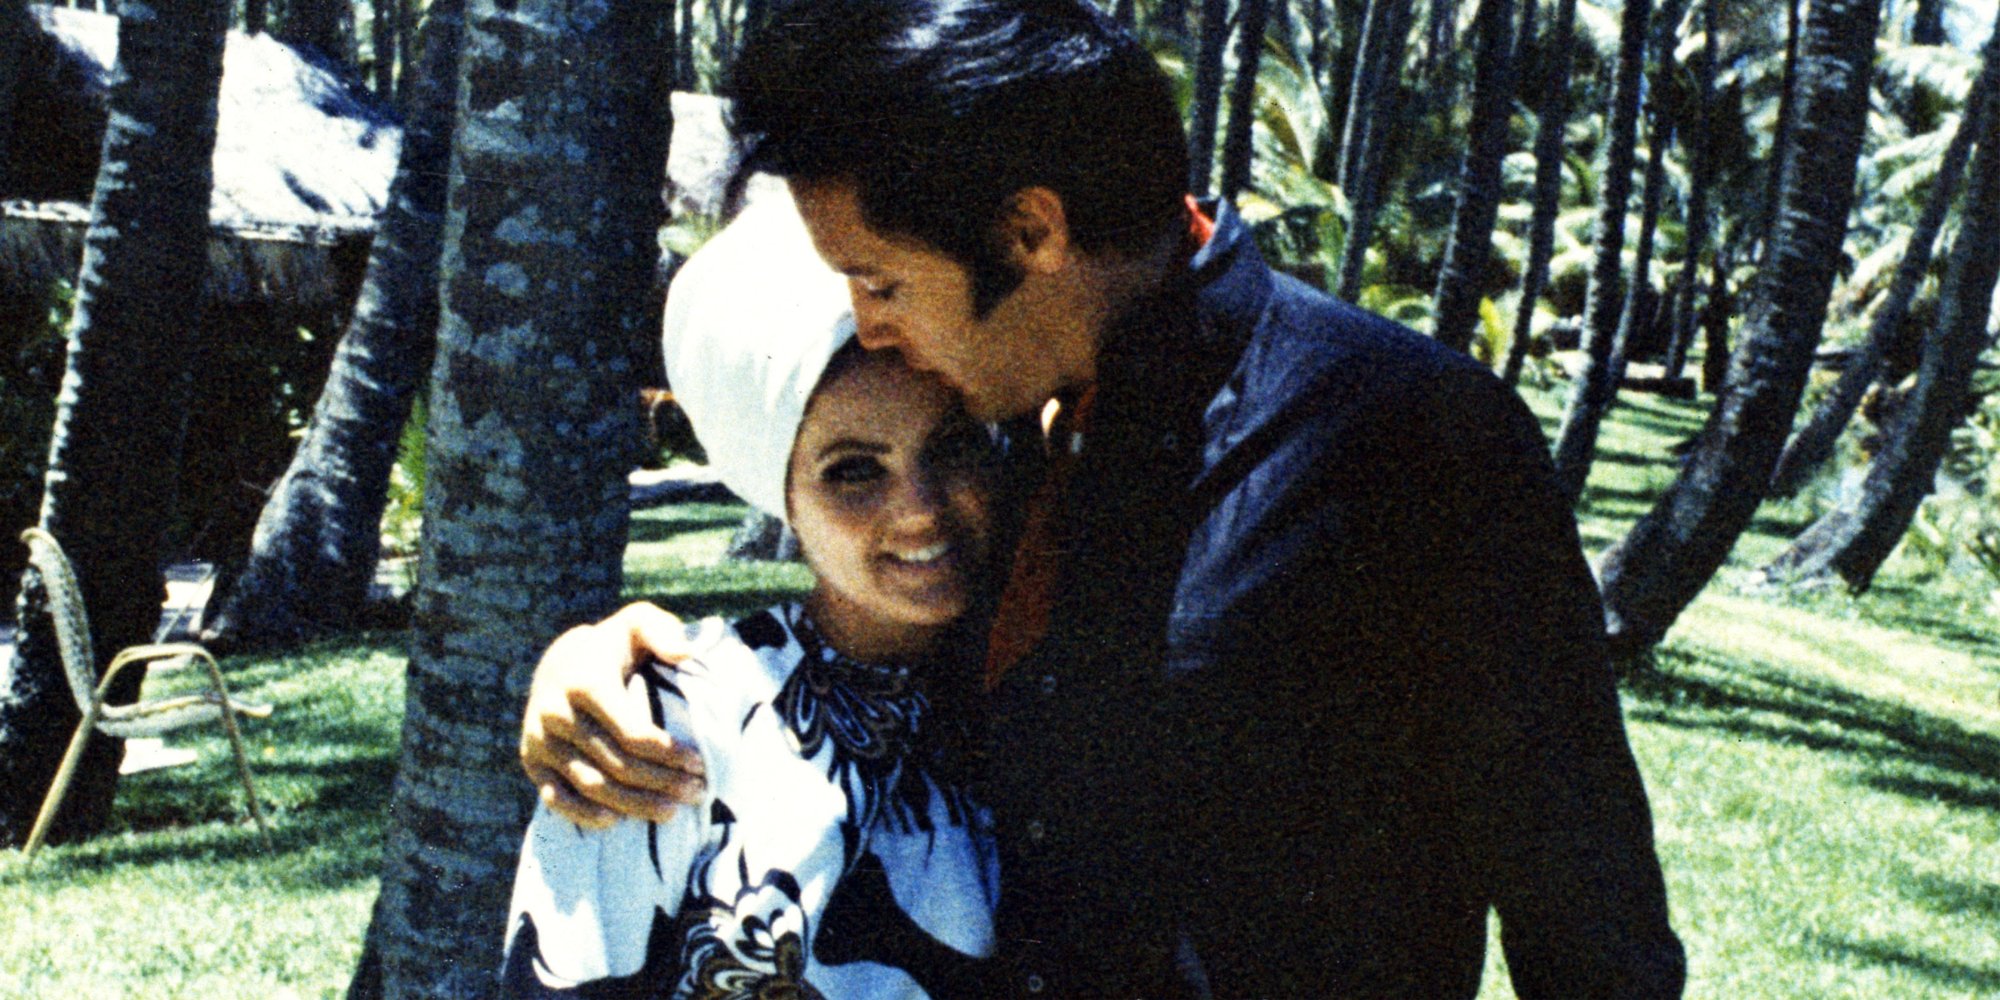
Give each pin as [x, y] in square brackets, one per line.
[940, 110]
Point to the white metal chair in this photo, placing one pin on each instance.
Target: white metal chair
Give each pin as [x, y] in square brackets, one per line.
[141, 718]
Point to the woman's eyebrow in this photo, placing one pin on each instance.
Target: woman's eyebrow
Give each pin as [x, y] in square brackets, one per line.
[854, 444]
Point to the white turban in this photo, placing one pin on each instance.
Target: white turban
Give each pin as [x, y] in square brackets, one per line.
[751, 321]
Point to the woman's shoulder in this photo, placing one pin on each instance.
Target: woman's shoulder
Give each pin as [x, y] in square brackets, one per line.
[747, 659]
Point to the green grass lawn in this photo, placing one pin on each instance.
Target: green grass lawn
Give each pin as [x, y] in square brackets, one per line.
[1824, 770]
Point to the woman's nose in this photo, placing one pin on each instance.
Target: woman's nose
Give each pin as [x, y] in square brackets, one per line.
[919, 499]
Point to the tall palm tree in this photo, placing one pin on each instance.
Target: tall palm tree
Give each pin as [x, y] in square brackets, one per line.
[1385, 34]
[124, 394]
[1814, 442]
[313, 554]
[1469, 254]
[1236, 148]
[1556, 57]
[1653, 573]
[1853, 538]
[1594, 388]
[549, 255]
[1774, 169]
[1702, 149]
[1206, 109]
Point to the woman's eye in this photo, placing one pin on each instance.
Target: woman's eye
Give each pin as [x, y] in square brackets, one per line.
[881, 293]
[852, 470]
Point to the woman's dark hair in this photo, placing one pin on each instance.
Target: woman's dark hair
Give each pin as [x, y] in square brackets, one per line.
[941, 110]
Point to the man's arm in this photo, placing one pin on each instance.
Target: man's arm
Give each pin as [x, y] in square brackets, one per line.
[588, 742]
[1386, 665]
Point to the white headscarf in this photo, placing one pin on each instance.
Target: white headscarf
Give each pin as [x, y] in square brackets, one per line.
[751, 321]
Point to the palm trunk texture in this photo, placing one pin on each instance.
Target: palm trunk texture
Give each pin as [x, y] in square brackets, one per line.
[1558, 56]
[1652, 574]
[1468, 257]
[124, 393]
[1814, 443]
[1591, 394]
[1385, 36]
[1853, 538]
[550, 247]
[1206, 110]
[1702, 148]
[314, 551]
[1236, 150]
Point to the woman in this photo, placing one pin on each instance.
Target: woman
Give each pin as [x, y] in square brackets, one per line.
[834, 855]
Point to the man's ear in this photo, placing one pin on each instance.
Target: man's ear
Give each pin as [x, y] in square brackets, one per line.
[1034, 231]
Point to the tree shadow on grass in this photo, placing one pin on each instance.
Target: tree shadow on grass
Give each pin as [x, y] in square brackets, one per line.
[1754, 702]
[1944, 972]
[1947, 896]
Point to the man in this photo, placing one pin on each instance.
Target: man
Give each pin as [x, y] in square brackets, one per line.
[1312, 671]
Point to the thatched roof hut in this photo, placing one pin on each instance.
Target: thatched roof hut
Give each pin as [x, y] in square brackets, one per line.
[303, 160]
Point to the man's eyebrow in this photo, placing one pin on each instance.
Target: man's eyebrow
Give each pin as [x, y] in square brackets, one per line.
[859, 271]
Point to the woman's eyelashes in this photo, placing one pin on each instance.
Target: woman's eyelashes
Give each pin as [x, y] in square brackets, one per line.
[853, 470]
[883, 292]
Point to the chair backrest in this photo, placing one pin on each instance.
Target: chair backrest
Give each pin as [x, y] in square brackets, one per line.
[65, 606]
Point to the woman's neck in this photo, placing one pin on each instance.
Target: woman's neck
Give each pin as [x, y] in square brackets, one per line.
[858, 635]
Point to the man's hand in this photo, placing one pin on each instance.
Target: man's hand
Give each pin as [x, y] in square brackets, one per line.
[588, 742]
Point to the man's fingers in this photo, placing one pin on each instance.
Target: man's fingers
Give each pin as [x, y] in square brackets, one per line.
[651, 631]
[565, 802]
[600, 790]
[619, 734]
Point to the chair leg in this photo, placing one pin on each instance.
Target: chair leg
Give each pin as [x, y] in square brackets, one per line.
[236, 745]
[60, 787]
[243, 768]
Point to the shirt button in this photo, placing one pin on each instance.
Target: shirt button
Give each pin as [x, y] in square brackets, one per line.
[1048, 684]
[1034, 983]
[1037, 832]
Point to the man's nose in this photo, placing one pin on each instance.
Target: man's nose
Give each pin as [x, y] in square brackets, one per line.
[872, 326]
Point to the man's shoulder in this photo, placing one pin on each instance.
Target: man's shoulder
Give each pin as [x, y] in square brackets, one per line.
[1343, 362]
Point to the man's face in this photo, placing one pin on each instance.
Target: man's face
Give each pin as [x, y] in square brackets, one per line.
[913, 299]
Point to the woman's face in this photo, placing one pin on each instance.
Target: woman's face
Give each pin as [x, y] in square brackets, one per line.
[887, 491]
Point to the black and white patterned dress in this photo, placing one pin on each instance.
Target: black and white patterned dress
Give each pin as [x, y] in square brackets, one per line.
[828, 860]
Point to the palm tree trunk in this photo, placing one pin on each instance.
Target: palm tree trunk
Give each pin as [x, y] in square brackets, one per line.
[382, 38]
[684, 47]
[1236, 148]
[1855, 537]
[1927, 24]
[549, 259]
[1468, 257]
[1549, 134]
[1814, 442]
[1774, 170]
[1715, 317]
[124, 394]
[1698, 221]
[1591, 394]
[1673, 551]
[313, 554]
[1384, 37]
[326, 26]
[1207, 106]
